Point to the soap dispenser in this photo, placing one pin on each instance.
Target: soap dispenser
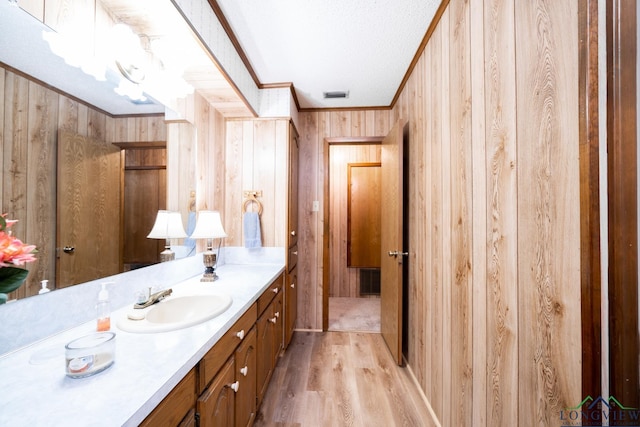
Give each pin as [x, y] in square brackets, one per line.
[103, 309]
[44, 289]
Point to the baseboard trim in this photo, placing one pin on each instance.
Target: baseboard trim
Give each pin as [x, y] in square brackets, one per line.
[421, 392]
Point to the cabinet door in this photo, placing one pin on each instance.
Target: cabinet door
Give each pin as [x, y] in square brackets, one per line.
[291, 305]
[216, 406]
[246, 377]
[293, 187]
[264, 344]
[176, 407]
[277, 322]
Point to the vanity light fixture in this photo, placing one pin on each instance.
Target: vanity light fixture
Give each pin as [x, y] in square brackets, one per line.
[209, 227]
[168, 226]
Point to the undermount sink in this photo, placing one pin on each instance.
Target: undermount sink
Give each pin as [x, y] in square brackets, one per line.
[175, 313]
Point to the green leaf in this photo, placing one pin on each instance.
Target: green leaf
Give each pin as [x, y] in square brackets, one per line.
[11, 278]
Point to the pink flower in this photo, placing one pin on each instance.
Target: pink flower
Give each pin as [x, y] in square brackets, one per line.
[12, 250]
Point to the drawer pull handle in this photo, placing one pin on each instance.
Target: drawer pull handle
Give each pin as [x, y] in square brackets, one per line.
[244, 371]
[273, 320]
[235, 386]
[295, 253]
[277, 314]
[240, 334]
[293, 233]
[275, 290]
[293, 285]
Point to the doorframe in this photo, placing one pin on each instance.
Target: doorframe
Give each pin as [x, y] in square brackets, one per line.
[619, 374]
[624, 345]
[590, 239]
[326, 259]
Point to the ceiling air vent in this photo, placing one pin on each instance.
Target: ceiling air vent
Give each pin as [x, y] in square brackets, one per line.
[335, 95]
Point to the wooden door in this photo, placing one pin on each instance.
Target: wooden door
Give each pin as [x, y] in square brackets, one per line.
[265, 345]
[246, 376]
[291, 302]
[145, 192]
[363, 215]
[391, 241]
[292, 213]
[88, 238]
[216, 405]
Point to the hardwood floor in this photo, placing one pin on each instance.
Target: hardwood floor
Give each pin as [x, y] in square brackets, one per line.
[354, 314]
[341, 379]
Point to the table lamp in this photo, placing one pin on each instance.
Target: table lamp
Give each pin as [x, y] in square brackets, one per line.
[209, 226]
[168, 226]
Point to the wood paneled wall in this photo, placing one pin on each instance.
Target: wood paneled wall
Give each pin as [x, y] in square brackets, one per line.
[30, 117]
[344, 280]
[494, 311]
[256, 160]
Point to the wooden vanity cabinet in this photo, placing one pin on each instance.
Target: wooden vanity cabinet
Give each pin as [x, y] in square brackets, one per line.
[245, 369]
[215, 358]
[291, 306]
[230, 399]
[227, 376]
[217, 405]
[291, 293]
[178, 407]
[228, 384]
[270, 335]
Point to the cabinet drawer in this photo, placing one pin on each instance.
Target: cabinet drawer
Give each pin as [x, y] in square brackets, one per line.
[220, 352]
[267, 296]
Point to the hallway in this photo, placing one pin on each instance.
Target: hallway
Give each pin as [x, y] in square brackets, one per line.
[341, 379]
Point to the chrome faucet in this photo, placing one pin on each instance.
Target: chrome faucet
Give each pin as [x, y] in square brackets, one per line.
[153, 298]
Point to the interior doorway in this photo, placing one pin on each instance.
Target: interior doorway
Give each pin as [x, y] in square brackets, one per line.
[145, 192]
[352, 301]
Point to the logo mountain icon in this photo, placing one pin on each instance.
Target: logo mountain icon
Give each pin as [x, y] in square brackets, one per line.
[610, 403]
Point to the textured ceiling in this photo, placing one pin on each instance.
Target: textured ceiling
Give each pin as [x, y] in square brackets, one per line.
[361, 46]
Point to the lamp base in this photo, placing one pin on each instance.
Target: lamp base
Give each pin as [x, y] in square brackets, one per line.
[209, 260]
[209, 277]
[167, 255]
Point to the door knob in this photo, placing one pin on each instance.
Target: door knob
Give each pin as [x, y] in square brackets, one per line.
[68, 249]
[396, 253]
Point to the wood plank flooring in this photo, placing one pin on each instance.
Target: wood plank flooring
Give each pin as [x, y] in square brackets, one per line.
[354, 314]
[341, 379]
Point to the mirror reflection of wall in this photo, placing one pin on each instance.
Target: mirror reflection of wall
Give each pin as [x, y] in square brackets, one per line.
[33, 114]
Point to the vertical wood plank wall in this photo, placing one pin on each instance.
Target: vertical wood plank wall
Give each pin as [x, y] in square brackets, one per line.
[30, 116]
[344, 280]
[256, 160]
[492, 104]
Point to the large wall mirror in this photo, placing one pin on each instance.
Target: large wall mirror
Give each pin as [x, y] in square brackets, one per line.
[65, 133]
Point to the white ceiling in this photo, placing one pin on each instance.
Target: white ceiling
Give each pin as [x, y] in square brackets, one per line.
[361, 46]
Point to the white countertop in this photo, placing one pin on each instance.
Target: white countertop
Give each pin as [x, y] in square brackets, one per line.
[35, 391]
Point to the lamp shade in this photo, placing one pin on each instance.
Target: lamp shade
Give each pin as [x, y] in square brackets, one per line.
[208, 226]
[168, 225]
